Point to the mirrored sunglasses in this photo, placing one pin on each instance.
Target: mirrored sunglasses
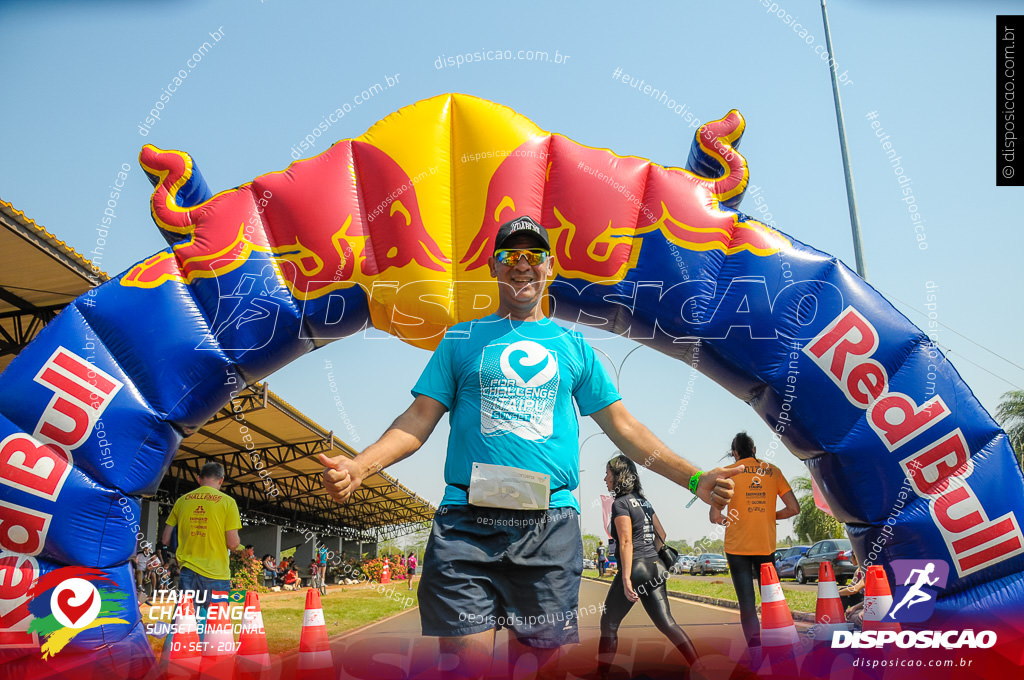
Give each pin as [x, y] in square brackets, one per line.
[510, 258]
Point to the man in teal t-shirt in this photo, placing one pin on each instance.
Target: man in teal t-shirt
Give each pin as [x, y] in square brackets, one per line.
[510, 386]
[501, 552]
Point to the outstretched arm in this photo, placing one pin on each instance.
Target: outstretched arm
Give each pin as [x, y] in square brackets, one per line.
[641, 446]
[343, 475]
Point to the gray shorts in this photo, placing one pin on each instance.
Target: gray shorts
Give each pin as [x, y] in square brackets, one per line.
[490, 568]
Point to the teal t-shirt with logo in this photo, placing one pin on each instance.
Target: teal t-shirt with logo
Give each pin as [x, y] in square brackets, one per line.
[509, 387]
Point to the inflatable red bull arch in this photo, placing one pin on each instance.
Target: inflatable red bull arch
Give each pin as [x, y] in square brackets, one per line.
[393, 229]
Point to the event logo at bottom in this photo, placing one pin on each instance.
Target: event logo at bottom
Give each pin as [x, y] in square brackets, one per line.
[917, 584]
[70, 600]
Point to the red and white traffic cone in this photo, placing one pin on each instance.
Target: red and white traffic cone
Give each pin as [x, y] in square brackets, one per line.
[385, 572]
[252, 662]
[182, 650]
[829, 615]
[878, 600]
[315, 659]
[779, 638]
[218, 644]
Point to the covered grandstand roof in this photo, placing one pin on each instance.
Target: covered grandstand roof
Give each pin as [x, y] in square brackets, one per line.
[280, 475]
[41, 274]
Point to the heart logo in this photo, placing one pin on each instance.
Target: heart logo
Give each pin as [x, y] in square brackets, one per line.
[528, 363]
[73, 612]
[525, 371]
[75, 603]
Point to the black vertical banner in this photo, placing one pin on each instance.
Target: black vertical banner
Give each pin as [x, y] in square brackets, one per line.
[1009, 151]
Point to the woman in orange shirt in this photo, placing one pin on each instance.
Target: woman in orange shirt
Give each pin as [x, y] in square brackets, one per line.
[750, 526]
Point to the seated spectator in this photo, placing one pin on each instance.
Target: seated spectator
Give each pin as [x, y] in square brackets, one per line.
[852, 595]
[291, 579]
[152, 574]
[173, 571]
[282, 569]
[269, 570]
[139, 562]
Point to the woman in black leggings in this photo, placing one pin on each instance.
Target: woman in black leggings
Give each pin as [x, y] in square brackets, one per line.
[641, 574]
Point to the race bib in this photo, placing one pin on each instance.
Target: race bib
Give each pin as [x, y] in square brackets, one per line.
[501, 486]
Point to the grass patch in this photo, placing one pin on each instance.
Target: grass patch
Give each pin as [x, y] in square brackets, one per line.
[798, 600]
[345, 608]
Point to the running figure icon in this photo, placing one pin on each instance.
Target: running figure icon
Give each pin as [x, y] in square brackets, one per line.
[915, 595]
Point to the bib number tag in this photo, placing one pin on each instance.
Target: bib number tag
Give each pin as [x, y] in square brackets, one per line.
[501, 486]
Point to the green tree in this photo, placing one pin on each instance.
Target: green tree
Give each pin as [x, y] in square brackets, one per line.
[1010, 414]
[590, 546]
[682, 546]
[415, 541]
[708, 545]
[813, 525]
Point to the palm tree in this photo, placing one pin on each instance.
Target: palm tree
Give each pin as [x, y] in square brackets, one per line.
[813, 525]
[1010, 415]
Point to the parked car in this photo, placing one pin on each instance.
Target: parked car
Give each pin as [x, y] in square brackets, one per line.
[589, 564]
[786, 559]
[682, 565]
[709, 563]
[834, 550]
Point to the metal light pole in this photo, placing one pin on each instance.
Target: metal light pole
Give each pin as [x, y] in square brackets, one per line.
[618, 371]
[618, 377]
[851, 197]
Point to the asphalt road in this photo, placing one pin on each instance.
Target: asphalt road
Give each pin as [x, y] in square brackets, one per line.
[394, 648]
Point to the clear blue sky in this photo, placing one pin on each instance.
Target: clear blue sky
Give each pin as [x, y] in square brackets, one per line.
[79, 78]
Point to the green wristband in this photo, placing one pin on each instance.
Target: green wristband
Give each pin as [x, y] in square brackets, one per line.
[695, 480]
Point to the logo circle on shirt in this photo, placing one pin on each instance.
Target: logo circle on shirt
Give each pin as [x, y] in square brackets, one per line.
[528, 363]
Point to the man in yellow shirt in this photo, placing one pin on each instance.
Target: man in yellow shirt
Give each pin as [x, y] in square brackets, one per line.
[208, 525]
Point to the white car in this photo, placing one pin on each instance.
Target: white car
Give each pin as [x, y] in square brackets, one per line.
[682, 564]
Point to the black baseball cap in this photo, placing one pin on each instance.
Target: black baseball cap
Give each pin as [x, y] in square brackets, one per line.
[519, 225]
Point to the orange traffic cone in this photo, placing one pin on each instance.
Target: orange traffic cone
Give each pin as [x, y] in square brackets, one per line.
[252, 662]
[182, 650]
[778, 633]
[218, 644]
[315, 659]
[385, 573]
[878, 600]
[829, 615]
